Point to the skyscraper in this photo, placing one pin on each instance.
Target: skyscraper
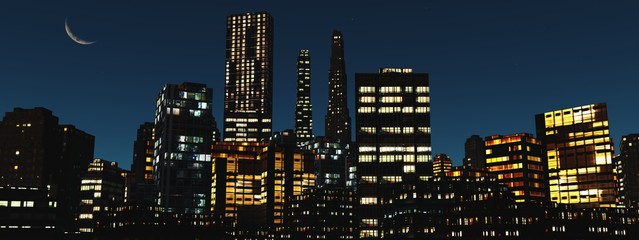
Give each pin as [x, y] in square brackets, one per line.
[338, 120]
[442, 164]
[628, 170]
[182, 155]
[579, 151]
[474, 154]
[304, 108]
[35, 151]
[248, 92]
[393, 136]
[141, 188]
[517, 162]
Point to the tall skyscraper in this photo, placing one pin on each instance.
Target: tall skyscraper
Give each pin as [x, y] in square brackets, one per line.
[35, 151]
[304, 108]
[182, 154]
[579, 150]
[393, 136]
[628, 170]
[141, 187]
[248, 93]
[442, 164]
[338, 120]
[517, 162]
[474, 154]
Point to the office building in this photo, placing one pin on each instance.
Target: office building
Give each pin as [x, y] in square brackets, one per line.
[516, 160]
[474, 153]
[442, 164]
[393, 137]
[182, 150]
[337, 120]
[141, 188]
[102, 190]
[248, 92]
[628, 170]
[303, 107]
[576, 143]
[322, 213]
[330, 165]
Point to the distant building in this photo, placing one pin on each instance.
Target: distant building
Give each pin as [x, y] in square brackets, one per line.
[518, 163]
[102, 190]
[442, 164]
[393, 137]
[303, 107]
[141, 188]
[577, 144]
[330, 165]
[248, 89]
[337, 120]
[37, 152]
[28, 213]
[322, 213]
[182, 151]
[474, 153]
[628, 170]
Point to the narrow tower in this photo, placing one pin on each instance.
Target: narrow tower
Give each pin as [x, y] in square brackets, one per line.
[338, 121]
[304, 108]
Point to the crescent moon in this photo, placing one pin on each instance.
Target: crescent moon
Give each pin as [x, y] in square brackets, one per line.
[73, 36]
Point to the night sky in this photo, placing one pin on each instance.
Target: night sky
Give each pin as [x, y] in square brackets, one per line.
[493, 65]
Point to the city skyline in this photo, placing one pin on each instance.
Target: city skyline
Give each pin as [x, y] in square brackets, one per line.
[480, 64]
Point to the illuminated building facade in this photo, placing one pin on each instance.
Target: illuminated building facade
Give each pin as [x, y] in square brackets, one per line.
[330, 162]
[628, 170]
[101, 190]
[442, 164]
[35, 151]
[140, 186]
[248, 95]
[579, 151]
[182, 154]
[303, 107]
[322, 213]
[393, 136]
[474, 153]
[28, 213]
[518, 163]
[337, 121]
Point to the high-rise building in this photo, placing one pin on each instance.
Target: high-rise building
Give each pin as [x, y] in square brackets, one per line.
[579, 151]
[322, 213]
[35, 151]
[304, 108]
[330, 162]
[248, 94]
[141, 187]
[337, 120]
[442, 164]
[182, 154]
[628, 170]
[474, 154]
[102, 188]
[516, 160]
[393, 136]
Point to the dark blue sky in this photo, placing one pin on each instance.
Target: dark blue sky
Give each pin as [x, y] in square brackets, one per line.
[493, 64]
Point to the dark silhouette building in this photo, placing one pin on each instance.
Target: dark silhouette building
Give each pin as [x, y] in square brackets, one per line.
[141, 188]
[474, 153]
[337, 120]
[37, 152]
[576, 143]
[303, 107]
[393, 137]
[28, 213]
[517, 162]
[330, 165]
[248, 95]
[182, 153]
[322, 213]
[101, 190]
[628, 170]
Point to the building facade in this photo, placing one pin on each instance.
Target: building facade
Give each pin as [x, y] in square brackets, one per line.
[322, 213]
[182, 153]
[393, 137]
[517, 161]
[337, 121]
[474, 153]
[140, 186]
[442, 164]
[579, 151]
[248, 92]
[303, 107]
[628, 170]
[101, 190]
